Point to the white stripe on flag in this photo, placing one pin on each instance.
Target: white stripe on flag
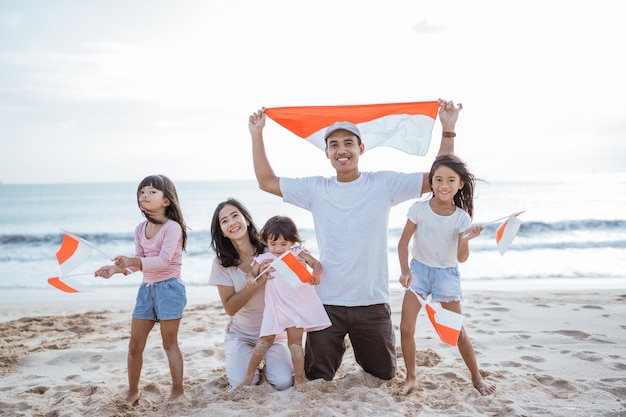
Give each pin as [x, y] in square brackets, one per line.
[410, 134]
[284, 272]
[289, 268]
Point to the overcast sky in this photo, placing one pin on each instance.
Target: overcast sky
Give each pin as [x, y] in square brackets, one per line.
[116, 90]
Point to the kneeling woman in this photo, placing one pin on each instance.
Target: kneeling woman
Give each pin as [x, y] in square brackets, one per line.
[234, 238]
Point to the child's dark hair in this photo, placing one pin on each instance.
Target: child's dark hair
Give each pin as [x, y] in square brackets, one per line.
[172, 211]
[464, 198]
[279, 226]
[222, 246]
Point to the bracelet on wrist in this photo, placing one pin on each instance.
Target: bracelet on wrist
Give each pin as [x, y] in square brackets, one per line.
[448, 134]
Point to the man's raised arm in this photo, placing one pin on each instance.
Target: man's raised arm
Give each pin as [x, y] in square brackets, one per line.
[267, 180]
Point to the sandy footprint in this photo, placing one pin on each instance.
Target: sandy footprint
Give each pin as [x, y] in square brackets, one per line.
[498, 309]
[510, 364]
[559, 388]
[536, 359]
[619, 366]
[588, 356]
[576, 334]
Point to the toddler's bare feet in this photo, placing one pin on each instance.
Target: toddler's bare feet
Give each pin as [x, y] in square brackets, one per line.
[301, 385]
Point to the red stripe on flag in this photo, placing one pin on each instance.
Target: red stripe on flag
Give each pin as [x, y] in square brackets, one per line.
[67, 249]
[500, 231]
[446, 334]
[300, 270]
[57, 283]
[304, 121]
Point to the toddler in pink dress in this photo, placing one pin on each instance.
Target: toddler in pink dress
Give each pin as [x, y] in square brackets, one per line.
[296, 310]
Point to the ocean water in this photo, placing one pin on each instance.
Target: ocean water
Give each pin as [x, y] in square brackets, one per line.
[573, 232]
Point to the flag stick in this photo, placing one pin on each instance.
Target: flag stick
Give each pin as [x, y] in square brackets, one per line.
[501, 218]
[419, 297]
[75, 275]
[271, 265]
[262, 272]
[505, 217]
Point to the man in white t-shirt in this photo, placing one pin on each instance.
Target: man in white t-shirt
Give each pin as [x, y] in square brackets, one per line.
[351, 218]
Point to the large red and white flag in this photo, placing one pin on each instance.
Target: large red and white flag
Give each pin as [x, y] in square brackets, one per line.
[404, 126]
[290, 269]
[447, 324]
[507, 232]
[72, 253]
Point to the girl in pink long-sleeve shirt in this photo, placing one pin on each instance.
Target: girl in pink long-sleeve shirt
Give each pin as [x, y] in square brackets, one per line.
[159, 244]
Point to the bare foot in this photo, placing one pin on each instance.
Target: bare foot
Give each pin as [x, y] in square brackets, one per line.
[408, 386]
[484, 388]
[301, 385]
[132, 398]
[176, 396]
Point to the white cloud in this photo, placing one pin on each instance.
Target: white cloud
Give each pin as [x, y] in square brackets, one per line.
[423, 27]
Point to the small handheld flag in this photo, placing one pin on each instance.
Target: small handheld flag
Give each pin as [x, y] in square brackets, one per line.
[289, 268]
[507, 231]
[404, 126]
[447, 324]
[73, 252]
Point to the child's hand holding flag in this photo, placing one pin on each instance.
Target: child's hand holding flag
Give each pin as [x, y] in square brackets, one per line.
[473, 232]
[505, 233]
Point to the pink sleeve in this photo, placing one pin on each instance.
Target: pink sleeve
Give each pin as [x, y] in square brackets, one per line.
[139, 253]
[297, 250]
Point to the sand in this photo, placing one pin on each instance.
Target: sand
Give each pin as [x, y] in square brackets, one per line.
[555, 353]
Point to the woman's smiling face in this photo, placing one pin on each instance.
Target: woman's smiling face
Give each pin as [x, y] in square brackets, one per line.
[232, 222]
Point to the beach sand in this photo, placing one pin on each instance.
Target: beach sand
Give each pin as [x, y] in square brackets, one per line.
[554, 353]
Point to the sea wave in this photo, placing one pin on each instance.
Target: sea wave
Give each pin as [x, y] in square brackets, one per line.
[581, 234]
[527, 229]
[56, 239]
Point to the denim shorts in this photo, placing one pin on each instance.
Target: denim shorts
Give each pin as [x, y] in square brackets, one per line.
[163, 300]
[443, 283]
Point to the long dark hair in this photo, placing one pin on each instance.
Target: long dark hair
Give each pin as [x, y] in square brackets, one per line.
[222, 246]
[464, 198]
[172, 211]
